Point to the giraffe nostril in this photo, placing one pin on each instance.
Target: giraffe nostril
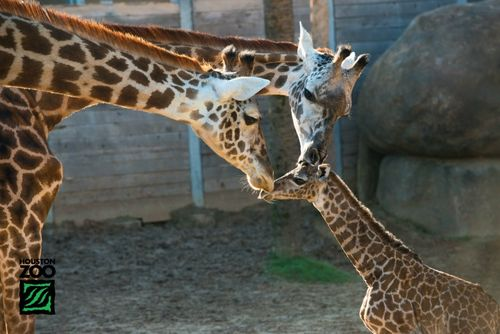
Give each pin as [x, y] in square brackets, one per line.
[313, 156]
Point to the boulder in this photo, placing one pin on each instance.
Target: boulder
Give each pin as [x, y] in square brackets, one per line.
[449, 197]
[436, 91]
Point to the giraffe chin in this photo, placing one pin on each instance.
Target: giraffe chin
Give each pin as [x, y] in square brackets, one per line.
[261, 183]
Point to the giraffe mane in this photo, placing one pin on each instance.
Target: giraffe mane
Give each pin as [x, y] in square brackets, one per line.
[379, 229]
[100, 33]
[183, 37]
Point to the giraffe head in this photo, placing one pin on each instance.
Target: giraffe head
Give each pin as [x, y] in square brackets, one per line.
[322, 95]
[227, 119]
[305, 182]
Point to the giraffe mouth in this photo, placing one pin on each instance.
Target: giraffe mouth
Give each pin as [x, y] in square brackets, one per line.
[266, 196]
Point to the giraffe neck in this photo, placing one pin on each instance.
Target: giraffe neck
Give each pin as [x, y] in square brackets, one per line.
[374, 252]
[281, 69]
[60, 62]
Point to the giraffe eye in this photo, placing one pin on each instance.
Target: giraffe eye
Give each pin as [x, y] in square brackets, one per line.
[249, 120]
[308, 95]
[298, 181]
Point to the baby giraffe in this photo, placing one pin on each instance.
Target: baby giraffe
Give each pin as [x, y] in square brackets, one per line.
[404, 295]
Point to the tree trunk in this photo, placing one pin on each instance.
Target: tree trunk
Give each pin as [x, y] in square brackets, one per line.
[283, 143]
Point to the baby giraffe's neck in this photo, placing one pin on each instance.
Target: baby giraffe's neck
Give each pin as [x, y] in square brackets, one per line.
[376, 254]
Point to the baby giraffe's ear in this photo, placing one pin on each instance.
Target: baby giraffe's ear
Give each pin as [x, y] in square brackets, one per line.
[323, 172]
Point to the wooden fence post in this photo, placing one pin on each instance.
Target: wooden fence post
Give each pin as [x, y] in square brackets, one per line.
[337, 130]
[196, 170]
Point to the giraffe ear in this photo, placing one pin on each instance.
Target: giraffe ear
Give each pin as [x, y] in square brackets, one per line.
[240, 89]
[305, 49]
[323, 172]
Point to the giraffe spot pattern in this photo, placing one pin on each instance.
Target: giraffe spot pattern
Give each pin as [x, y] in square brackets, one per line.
[62, 76]
[128, 96]
[72, 52]
[31, 73]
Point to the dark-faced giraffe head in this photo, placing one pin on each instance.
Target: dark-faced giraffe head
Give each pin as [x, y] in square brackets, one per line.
[225, 117]
[322, 95]
[304, 182]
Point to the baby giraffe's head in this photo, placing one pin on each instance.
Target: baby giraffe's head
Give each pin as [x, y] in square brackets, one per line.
[304, 182]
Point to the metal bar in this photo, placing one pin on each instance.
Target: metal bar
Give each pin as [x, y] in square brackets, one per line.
[337, 129]
[196, 169]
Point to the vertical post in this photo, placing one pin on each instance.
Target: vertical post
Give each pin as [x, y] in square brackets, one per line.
[197, 194]
[337, 130]
[76, 2]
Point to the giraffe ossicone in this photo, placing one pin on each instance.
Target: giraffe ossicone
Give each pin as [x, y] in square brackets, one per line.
[404, 295]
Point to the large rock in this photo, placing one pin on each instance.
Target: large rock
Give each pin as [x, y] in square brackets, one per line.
[436, 91]
[450, 197]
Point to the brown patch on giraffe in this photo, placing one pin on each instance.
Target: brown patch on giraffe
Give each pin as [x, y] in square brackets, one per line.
[59, 34]
[209, 105]
[191, 93]
[241, 145]
[30, 187]
[101, 93]
[5, 65]
[273, 58]
[18, 212]
[185, 75]
[26, 160]
[50, 101]
[7, 138]
[32, 229]
[4, 235]
[281, 81]
[258, 69]
[160, 100]
[283, 68]
[104, 75]
[236, 134]
[73, 52]
[213, 117]
[8, 177]
[8, 40]
[194, 82]
[195, 115]
[139, 78]
[141, 63]
[179, 89]
[78, 103]
[158, 74]
[62, 77]
[33, 40]
[31, 142]
[31, 73]
[128, 96]
[175, 80]
[96, 50]
[119, 64]
[290, 58]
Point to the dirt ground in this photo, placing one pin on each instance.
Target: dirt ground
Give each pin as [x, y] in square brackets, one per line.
[203, 272]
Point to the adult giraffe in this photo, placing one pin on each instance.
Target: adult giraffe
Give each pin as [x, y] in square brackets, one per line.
[97, 64]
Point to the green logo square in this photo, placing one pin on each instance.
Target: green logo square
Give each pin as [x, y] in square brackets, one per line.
[37, 297]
